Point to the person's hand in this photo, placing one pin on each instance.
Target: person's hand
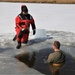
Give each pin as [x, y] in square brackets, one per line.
[34, 31]
[45, 59]
[23, 29]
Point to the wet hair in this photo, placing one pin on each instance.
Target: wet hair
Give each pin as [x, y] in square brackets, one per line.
[57, 44]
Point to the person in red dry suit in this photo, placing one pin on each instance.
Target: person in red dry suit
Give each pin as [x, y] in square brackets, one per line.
[23, 22]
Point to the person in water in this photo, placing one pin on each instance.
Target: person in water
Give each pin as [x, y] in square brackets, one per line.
[56, 59]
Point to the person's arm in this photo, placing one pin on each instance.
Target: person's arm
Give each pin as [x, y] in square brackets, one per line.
[33, 24]
[18, 21]
[50, 58]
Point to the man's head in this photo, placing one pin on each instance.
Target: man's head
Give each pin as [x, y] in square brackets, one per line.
[56, 45]
[24, 9]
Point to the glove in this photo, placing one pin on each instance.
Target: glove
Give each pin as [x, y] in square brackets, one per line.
[34, 31]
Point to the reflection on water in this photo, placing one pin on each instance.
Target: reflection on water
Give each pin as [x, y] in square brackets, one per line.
[25, 58]
[67, 69]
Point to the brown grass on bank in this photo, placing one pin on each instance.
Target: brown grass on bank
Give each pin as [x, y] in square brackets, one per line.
[42, 1]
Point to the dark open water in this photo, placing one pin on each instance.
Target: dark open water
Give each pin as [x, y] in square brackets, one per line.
[67, 69]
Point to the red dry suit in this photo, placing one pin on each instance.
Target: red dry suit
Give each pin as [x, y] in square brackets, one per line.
[24, 21]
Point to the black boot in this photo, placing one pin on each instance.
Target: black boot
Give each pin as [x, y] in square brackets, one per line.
[19, 45]
[14, 38]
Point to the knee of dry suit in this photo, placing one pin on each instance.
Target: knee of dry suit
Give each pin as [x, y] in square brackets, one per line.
[20, 34]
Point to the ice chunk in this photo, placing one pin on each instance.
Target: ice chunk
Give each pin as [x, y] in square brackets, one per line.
[40, 33]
